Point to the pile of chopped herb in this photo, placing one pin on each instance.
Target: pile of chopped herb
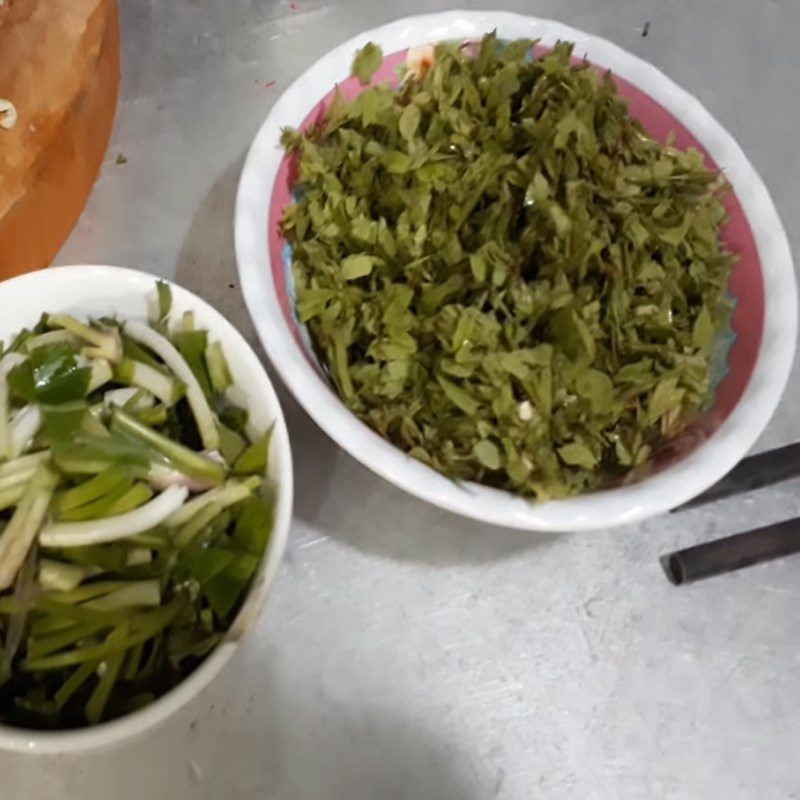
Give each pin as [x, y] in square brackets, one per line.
[134, 512]
[504, 274]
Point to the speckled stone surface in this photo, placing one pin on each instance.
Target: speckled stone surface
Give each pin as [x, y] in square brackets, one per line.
[408, 654]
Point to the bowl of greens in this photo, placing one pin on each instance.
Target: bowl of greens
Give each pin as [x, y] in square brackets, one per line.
[145, 500]
[516, 271]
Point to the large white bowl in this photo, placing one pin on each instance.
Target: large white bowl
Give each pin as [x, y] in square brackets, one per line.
[760, 387]
[94, 291]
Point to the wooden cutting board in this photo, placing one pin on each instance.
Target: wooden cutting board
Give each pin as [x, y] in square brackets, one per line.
[59, 68]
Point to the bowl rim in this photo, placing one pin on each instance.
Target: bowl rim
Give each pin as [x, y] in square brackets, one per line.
[654, 494]
[135, 724]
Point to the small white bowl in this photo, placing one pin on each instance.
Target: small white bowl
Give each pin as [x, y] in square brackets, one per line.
[94, 291]
[763, 281]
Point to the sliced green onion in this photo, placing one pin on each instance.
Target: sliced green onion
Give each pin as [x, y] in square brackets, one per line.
[145, 626]
[81, 465]
[126, 581]
[231, 444]
[194, 394]
[255, 458]
[187, 533]
[93, 427]
[24, 426]
[235, 418]
[42, 626]
[192, 346]
[193, 463]
[157, 415]
[135, 593]
[88, 592]
[24, 594]
[98, 509]
[156, 539]
[24, 463]
[60, 576]
[7, 363]
[21, 531]
[77, 534]
[101, 374]
[91, 490]
[97, 702]
[137, 495]
[16, 479]
[105, 344]
[137, 373]
[74, 682]
[11, 497]
[139, 555]
[132, 661]
[45, 645]
[163, 475]
[218, 370]
[77, 613]
[224, 496]
[99, 558]
[132, 349]
[138, 398]
[155, 658]
[164, 292]
[50, 338]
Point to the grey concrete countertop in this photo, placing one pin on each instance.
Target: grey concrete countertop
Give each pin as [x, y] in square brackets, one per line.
[408, 654]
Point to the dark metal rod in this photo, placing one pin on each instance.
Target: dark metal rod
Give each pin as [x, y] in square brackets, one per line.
[754, 472]
[733, 552]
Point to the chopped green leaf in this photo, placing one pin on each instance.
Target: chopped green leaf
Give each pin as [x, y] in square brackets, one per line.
[487, 453]
[501, 204]
[366, 62]
[255, 458]
[354, 267]
[577, 454]
[50, 375]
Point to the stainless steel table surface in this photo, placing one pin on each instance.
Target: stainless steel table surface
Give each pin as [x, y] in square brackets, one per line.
[407, 653]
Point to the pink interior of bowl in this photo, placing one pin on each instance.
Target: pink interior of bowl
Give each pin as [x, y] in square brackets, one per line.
[746, 282]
